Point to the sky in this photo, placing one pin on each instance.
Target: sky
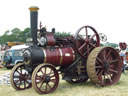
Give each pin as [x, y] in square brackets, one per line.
[106, 16]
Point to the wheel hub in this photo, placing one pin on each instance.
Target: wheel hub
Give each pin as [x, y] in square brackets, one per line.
[87, 41]
[22, 77]
[47, 79]
[106, 66]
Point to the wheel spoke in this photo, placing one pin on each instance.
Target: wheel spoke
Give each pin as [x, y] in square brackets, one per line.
[28, 82]
[42, 72]
[45, 70]
[51, 72]
[16, 76]
[100, 73]
[86, 32]
[98, 70]
[99, 60]
[38, 77]
[18, 71]
[16, 81]
[27, 77]
[53, 80]
[88, 49]
[92, 44]
[92, 37]
[109, 53]
[52, 76]
[41, 83]
[49, 85]
[19, 84]
[104, 55]
[114, 61]
[113, 71]
[98, 67]
[81, 37]
[24, 84]
[109, 59]
[82, 46]
[111, 66]
[97, 63]
[109, 74]
[46, 87]
[104, 76]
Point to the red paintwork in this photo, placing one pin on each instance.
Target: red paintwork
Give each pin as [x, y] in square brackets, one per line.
[50, 39]
[59, 56]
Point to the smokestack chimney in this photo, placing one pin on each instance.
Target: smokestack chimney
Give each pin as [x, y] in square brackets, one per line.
[33, 23]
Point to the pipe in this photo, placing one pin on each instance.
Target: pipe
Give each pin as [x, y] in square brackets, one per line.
[33, 23]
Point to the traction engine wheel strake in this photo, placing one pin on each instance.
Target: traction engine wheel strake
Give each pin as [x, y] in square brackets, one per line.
[86, 39]
[45, 78]
[104, 66]
[20, 79]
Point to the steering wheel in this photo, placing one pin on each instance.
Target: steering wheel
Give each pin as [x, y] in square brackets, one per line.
[86, 39]
[103, 37]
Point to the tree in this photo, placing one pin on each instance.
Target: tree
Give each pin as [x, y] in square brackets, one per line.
[114, 45]
[15, 35]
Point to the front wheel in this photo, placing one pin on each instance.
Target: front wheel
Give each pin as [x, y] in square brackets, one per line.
[20, 79]
[45, 78]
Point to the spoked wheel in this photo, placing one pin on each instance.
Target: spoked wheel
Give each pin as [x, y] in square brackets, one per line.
[45, 78]
[86, 39]
[77, 80]
[104, 66]
[20, 79]
[103, 37]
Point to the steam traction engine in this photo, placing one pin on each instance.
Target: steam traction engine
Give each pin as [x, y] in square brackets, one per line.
[77, 58]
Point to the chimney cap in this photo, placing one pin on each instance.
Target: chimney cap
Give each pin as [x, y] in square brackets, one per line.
[33, 8]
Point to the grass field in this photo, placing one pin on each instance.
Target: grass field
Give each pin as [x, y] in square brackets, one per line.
[65, 89]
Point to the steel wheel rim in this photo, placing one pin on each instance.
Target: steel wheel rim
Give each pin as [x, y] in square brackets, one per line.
[86, 42]
[45, 82]
[107, 66]
[20, 79]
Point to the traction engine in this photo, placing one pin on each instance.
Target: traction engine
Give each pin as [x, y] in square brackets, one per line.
[76, 57]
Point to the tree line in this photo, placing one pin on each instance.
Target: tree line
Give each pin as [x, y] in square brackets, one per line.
[15, 35]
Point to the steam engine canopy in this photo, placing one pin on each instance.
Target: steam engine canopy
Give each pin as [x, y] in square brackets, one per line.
[35, 55]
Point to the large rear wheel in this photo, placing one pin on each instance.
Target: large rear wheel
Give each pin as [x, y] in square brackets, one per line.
[104, 66]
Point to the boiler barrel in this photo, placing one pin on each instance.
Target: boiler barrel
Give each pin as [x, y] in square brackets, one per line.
[59, 56]
[56, 56]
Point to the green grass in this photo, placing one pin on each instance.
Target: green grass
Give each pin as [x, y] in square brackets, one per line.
[66, 89]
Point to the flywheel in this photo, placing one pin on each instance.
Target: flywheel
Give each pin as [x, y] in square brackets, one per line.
[104, 66]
